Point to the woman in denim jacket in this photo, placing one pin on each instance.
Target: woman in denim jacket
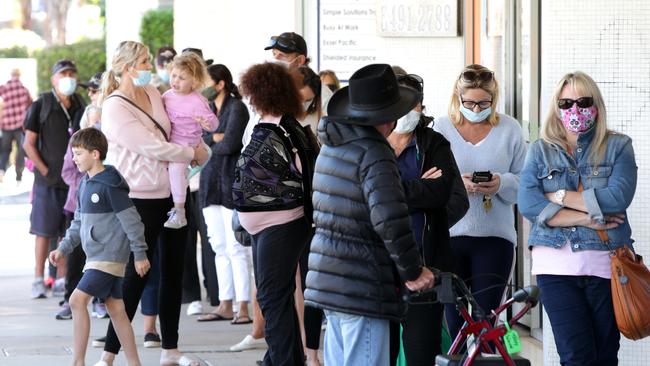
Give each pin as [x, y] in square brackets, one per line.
[577, 179]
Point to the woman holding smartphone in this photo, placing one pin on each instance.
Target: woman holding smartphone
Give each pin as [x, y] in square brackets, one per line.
[490, 151]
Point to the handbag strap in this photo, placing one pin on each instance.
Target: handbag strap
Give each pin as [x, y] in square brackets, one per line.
[143, 111]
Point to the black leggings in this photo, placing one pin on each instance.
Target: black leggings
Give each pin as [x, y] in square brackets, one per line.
[421, 336]
[191, 283]
[171, 246]
[485, 264]
[276, 252]
[313, 318]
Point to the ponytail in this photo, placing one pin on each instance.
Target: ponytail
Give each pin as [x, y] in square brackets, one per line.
[109, 84]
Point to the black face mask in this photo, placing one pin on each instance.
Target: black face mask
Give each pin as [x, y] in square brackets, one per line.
[332, 87]
[210, 93]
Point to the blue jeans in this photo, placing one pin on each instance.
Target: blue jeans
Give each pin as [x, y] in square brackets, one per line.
[354, 340]
[582, 316]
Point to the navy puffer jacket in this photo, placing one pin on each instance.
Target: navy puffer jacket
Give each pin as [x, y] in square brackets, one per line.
[363, 242]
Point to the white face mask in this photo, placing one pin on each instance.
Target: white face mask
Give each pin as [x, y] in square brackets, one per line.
[67, 85]
[408, 123]
[284, 63]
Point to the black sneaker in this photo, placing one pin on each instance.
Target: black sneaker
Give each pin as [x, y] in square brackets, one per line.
[99, 342]
[151, 340]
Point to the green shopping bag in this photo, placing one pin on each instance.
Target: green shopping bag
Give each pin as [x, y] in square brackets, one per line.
[445, 344]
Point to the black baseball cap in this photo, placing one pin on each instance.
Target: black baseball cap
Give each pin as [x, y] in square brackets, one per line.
[288, 42]
[94, 82]
[199, 52]
[63, 65]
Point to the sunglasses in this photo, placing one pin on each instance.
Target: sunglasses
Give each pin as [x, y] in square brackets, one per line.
[474, 75]
[282, 42]
[413, 79]
[582, 102]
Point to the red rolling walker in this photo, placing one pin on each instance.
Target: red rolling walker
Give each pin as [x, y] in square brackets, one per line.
[487, 332]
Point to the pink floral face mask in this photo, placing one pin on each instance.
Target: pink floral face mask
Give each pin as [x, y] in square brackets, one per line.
[576, 119]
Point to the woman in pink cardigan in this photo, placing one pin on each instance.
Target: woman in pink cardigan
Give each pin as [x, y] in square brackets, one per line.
[137, 129]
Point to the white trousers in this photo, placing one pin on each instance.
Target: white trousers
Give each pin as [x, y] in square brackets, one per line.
[231, 258]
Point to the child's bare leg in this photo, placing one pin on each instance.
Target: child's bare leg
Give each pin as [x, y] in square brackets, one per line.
[81, 325]
[179, 205]
[123, 330]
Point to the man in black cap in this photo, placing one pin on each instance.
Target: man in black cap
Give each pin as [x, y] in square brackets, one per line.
[363, 249]
[49, 123]
[289, 48]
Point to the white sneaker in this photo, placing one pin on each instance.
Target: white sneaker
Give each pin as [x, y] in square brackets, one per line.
[176, 218]
[38, 289]
[248, 343]
[195, 308]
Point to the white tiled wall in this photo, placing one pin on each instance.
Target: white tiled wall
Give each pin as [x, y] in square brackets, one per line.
[610, 41]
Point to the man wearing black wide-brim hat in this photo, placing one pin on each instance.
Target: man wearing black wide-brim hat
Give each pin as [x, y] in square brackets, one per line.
[363, 249]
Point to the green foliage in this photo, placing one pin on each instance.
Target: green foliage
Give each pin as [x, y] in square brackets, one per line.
[14, 52]
[89, 55]
[157, 29]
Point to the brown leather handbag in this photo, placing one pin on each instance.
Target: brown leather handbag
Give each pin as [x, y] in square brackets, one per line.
[630, 290]
[630, 293]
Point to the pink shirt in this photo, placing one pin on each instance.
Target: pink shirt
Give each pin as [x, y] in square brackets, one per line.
[254, 222]
[564, 261]
[183, 111]
[137, 148]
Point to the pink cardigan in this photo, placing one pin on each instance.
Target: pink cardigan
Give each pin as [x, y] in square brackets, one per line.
[137, 148]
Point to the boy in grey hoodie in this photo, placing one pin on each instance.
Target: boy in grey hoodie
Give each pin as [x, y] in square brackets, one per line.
[109, 228]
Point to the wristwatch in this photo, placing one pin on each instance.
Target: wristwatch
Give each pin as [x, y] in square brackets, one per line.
[559, 196]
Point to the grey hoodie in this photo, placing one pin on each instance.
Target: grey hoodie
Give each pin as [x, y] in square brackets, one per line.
[106, 223]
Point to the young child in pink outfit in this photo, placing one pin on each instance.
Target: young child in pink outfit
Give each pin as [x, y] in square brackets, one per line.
[188, 112]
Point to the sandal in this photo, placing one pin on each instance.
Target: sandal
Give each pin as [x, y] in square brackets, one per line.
[210, 317]
[241, 320]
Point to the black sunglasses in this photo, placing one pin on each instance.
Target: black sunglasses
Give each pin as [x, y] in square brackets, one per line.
[411, 79]
[282, 42]
[474, 75]
[582, 102]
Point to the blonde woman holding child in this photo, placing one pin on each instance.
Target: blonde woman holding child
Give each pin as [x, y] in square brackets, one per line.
[137, 128]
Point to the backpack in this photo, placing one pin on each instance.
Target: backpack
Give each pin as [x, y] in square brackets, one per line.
[266, 177]
[49, 102]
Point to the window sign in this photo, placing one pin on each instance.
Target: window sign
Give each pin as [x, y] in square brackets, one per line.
[417, 18]
[347, 35]
[355, 33]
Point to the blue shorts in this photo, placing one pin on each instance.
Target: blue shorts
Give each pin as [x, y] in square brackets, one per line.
[101, 284]
[47, 218]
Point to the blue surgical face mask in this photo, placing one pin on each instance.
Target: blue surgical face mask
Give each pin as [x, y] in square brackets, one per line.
[144, 77]
[163, 75]
[67, 85]
[475, 117]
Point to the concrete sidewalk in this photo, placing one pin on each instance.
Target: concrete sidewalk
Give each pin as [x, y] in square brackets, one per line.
[29, 334]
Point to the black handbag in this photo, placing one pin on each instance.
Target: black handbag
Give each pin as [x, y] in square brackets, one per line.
[242, 236]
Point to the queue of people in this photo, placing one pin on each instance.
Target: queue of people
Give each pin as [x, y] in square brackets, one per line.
[348, 197]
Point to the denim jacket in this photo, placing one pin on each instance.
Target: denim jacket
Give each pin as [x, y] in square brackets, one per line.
[608, 189]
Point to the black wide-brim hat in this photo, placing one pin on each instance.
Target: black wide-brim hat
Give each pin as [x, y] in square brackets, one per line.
[373, 97]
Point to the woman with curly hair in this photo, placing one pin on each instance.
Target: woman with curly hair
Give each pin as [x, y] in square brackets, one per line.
[276, 209]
